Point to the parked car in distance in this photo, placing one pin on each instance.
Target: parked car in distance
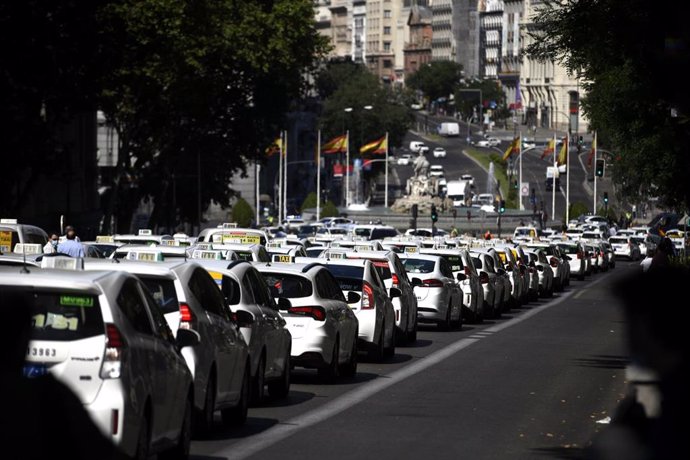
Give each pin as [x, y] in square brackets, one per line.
[439, 152]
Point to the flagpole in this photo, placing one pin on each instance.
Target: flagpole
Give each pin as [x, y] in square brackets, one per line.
[553, 179]
[386, 199]
[318, 176]
[519, 141]
[594, 204]
[347, 169]
[280, 180]
[285, 164]
[257, 170]
[567, 179]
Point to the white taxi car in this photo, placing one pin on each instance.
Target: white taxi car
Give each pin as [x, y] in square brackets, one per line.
[625, 246]
[99, 332]
[190, 300]
[373, 308]
[322, 327]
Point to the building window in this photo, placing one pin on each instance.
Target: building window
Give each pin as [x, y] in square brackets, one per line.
[386, 13]
[386, 46]
[387, 30]
[387, 63]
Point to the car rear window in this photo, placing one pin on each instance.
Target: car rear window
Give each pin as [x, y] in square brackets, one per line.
[455, 262]
[568, 248]
[349, 277]
[618, 240]
[289, 286]
[419, 265]
[163, 292]
[245, 255]
[60, 315]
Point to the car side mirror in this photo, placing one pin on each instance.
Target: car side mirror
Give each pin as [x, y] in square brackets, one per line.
[461, 277]
[416, 282]
[501, 271]
[353, 297]
[395, 292]
[284, 303]
[187, 338]
[243, 318]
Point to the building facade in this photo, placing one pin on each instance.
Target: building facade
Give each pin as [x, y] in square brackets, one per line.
[418, 49]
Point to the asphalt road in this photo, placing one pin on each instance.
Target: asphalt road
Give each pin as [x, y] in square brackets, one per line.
[532, 384]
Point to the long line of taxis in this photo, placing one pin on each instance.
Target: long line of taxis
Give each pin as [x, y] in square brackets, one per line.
[227, 316]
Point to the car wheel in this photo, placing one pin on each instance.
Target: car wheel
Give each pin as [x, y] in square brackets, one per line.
[457, 323]
[281, 388]
[446, 324]
[330, 371]
[389, 351]
[376, 352]
[236, 416]
[349, 369]
[412, 335]
[204, 417]
[259, 383]
[181, 449]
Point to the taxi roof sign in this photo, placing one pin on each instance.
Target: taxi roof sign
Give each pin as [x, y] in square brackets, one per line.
[205, 246]
[105, 239]
[27, 248]
[283, 258]
[229, 225]
[411, 249]
[8, 221]
[273, 245]
[145, 232]
[145, 255]
[63, 263]
[207, 254]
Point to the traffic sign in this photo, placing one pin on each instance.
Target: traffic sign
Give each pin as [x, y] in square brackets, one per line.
[524, 188]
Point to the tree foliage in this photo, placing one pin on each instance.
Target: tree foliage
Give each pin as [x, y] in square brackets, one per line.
[436, 79]
[632, 63]
[330, 210]
[466, 101]
[242, 213]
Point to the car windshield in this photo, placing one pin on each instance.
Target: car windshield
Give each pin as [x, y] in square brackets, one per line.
[163, 291]
[350, 277]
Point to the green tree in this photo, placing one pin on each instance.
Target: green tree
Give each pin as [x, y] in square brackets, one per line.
[577, 209]
[467, 98]
[242, 213]
[309, 202]
[632, 64]
[330, 210]
[437, 79]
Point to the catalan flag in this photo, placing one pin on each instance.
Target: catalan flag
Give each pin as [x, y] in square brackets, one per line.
[377, 146]
[275, 147]
[593, 150]
[563, 154]
[514, 147]
[335, 145]
[549, 149]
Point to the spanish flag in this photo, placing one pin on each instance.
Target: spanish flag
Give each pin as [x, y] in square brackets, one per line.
[593, 150]
[563, 154]
[514, 147]
[336, 145]
[275, 147]
[550, 148]
[377, 146]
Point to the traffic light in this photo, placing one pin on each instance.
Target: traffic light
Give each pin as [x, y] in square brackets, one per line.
[434, 214]
[414, 210]
[606, 198]
[515, 184]
[502, 206]
[599, 168]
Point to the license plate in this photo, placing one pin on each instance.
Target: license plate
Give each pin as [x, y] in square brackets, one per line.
[35, 370]
[419, 298]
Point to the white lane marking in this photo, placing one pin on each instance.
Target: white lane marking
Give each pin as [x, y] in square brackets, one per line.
[254, 444]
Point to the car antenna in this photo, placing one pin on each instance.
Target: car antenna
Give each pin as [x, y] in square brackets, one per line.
[24, 269]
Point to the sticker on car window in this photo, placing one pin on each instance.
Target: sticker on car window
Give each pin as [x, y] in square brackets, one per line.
[76, 301]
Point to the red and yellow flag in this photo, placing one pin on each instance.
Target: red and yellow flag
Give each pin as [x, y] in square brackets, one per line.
[275, 147]
[563, 154]
[335, 145]
[377, 146]
[549, 149]
[514, 147]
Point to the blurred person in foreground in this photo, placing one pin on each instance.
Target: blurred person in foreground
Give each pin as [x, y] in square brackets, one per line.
[42, 418]
[656, 321]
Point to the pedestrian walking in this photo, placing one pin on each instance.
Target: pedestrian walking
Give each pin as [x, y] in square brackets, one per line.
[52, 244]
[71, 246]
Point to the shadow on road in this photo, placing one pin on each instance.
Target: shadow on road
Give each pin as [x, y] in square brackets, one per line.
[310, 377]
[567, 453]
[294, 398]
[420, 343]
[252, 426]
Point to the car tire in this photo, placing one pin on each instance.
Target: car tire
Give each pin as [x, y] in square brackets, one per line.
[446, 324]
[142, 450]
[181, 450]
[412, 335]
[203, 419]
[349, 369]
[280, 388]
[376, 352]
[456, 324]
[389, 351]
[236, 416]
[259, 382]
[331, 371]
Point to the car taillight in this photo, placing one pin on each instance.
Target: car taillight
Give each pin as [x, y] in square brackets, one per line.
[395, 280]
[432, 283]
[368, 301]
[114, 348]
[553, 262]
[316, 312]
[580, 255]
[601, 254]
[483, 277]
[186, 316]
[468, 272]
